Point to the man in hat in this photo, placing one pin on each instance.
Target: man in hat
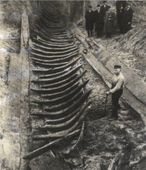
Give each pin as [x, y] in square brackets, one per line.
[120, 8]
[99, 21]
[89, 21]
[116, 90]
[128, 15]
[104, 8]
[110, 23]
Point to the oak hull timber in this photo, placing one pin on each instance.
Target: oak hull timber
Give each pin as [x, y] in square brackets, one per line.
[55, 70]
[47, 92]
[49, 44]
[55, 59]
[43, 37]
[48, 52]
[48, 47]
[59, 78]
[62, 98]
[65, 132]
[51, 75]
[65, 125]
[47, 147]
[58, 95]
[64, 112]
[60, 106]
[38, 62]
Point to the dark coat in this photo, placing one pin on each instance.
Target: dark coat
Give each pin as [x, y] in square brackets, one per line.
[89, 16]
[109, 22]
[104, 9]
[127, 19]
[99, 22]
[128, 14]
[98, 18]
[120, 16]
[120, 4]
[120, 7]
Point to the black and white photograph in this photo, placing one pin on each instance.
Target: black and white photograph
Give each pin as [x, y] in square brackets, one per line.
[72, 85]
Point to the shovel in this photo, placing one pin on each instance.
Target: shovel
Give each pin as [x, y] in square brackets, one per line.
[105, 102]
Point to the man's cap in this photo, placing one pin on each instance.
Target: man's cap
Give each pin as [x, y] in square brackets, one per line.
[98, 5]
[117, 66]
[89, 6]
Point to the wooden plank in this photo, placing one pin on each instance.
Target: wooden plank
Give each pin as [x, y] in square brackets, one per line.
[24, 30]
[135, 89]
[25, 129]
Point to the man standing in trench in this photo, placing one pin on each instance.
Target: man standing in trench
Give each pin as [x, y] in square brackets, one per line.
[116, 90]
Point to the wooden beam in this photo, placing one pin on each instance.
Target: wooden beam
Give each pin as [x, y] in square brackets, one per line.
[47, 147]
[135, 89]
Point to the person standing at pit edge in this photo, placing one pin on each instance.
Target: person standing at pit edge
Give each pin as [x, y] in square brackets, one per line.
[120, 7]
[99, 21]
[89, 21]
[128, 15]
[110, 19]
[116, 90]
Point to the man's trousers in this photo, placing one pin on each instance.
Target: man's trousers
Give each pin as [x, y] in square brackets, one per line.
[115, 102]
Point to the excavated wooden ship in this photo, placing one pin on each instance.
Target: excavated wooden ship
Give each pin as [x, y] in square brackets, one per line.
[58, 94]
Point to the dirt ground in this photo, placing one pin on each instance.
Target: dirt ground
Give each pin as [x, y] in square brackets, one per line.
[107, 144]
[10, 89]
[106, 140]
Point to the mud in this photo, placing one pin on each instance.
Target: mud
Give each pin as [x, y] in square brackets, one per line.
[107, 144]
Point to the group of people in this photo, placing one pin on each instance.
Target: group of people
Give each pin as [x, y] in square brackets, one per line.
[124, 16]
[105, 19]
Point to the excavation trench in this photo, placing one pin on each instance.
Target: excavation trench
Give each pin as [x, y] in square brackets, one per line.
[58, 97]
[105, 144]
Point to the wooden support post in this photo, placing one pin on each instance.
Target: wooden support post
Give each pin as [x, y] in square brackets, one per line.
[24, 30]
[24, 112]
